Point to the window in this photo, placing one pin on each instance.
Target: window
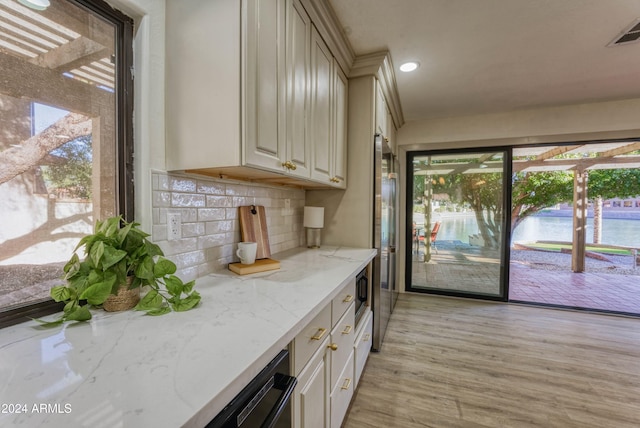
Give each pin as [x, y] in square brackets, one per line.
[65, 139]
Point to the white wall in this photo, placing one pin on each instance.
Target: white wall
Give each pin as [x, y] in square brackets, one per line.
[582, 122]
[149, 104]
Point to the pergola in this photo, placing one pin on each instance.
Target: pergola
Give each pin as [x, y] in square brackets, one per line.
[579, 158]
[63, 57]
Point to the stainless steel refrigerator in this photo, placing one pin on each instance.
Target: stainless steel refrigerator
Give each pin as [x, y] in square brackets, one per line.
[384, 286]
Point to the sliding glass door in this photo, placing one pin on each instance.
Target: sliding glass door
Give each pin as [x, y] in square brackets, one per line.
[457, 223]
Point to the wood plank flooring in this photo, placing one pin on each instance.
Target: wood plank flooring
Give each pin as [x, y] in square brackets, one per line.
[461, 363]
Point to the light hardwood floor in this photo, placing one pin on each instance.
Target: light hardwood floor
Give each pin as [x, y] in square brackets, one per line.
[462, 363]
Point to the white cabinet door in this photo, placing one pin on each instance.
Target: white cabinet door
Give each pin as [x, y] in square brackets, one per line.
[298, 88]
[339, 105]
[264, 84]
[381, 112]
[320, 120]
[311, 396]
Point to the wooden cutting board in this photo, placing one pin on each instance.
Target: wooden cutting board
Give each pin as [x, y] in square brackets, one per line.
[261, 265]
[253, 226]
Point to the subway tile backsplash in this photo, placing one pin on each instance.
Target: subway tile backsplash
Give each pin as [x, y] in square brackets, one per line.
[209, 214]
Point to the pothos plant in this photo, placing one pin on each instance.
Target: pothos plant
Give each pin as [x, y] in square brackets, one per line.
[116, 250]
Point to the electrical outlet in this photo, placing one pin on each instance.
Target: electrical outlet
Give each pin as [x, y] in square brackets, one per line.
[174, 226]
[287, 207]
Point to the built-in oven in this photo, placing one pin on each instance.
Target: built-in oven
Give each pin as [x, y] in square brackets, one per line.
[264, 402]
[362, 291]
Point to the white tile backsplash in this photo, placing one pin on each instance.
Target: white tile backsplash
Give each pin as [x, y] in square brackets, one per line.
[209, 215]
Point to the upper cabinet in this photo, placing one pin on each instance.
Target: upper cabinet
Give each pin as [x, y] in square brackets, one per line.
[253, 92]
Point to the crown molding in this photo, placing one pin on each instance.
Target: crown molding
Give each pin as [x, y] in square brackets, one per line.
[379, 64]
[328, 25]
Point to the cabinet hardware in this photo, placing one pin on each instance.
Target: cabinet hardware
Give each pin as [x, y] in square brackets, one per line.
[289, 165]
[346, 384]
[321, 332]
[334, 180]
[333, 347]
[348, 299]
[386, 139]
[366, 337]
[347, 330]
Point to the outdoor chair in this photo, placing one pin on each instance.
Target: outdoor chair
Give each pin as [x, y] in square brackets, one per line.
[434, 233]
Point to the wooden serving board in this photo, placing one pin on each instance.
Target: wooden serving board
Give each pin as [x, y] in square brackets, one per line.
[261, 265]
[253, 226]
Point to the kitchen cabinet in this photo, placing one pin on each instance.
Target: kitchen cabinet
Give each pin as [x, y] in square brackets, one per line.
[323, 361]
[362, 346]
[260, 106]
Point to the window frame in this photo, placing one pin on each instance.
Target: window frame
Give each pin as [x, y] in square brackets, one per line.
[123, 26]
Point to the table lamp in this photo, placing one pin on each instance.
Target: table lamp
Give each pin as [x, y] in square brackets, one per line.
[313, 222]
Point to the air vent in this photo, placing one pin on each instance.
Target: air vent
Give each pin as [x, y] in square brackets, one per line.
[630, 35]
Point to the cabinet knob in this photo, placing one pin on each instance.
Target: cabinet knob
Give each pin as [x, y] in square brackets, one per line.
[334, 180]
[289, 165]
[333, 347]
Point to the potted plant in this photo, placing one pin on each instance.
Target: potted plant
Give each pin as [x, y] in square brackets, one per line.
[119, 260]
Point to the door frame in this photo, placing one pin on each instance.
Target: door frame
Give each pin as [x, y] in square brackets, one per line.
[506, 222]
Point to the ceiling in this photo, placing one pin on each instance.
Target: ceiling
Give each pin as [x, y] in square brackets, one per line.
[489, 56]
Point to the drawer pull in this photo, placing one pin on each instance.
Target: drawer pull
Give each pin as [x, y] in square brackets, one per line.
[320, 334]
[366, 337]
[347, 330]
[333, 347]
[348, 299]
[346, 384]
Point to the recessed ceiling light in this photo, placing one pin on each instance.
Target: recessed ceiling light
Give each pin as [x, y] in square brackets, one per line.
[35, 4]
[409, 66]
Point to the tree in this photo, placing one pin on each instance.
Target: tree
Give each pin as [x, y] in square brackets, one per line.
[16, 160]
[73, 173]
[533, 192]
[614, 183]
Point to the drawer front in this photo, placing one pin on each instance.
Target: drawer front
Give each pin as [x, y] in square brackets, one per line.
[341, 302]
[308, 341]
[342, 393]
[342, 338]
[363, 345]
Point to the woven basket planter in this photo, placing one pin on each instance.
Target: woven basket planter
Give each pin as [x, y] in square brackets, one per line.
[124, 300]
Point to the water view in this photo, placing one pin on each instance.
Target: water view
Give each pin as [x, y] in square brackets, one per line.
[614, 231]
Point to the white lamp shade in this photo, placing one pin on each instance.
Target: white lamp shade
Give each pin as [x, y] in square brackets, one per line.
[314, 217]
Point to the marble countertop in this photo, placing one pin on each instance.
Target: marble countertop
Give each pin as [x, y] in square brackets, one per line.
[127, 369]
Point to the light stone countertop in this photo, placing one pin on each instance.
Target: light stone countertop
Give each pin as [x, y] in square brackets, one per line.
[127, 369]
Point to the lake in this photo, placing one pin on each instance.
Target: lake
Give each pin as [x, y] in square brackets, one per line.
[614, 231]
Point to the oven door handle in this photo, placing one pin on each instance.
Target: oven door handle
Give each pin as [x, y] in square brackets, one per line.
[286, 384]
[363, 289]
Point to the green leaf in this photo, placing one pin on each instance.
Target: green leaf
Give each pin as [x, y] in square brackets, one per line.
[60, 293]
[96, 252]
[164, 267]
[81, 313]
[97, 293]
[153, 249]
[112, 256]
[145, 268]
[188, 287]
[122, 233]
[187, 303]
[152, 300]
[174, 285]
[48, 324]
[159, 311]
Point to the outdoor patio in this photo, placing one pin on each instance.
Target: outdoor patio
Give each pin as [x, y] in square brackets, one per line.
[459, 267]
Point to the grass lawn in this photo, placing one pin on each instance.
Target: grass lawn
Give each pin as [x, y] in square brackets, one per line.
[547, 246]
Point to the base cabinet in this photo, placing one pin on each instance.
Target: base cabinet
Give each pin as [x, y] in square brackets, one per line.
[327, 379]
[311, 405]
